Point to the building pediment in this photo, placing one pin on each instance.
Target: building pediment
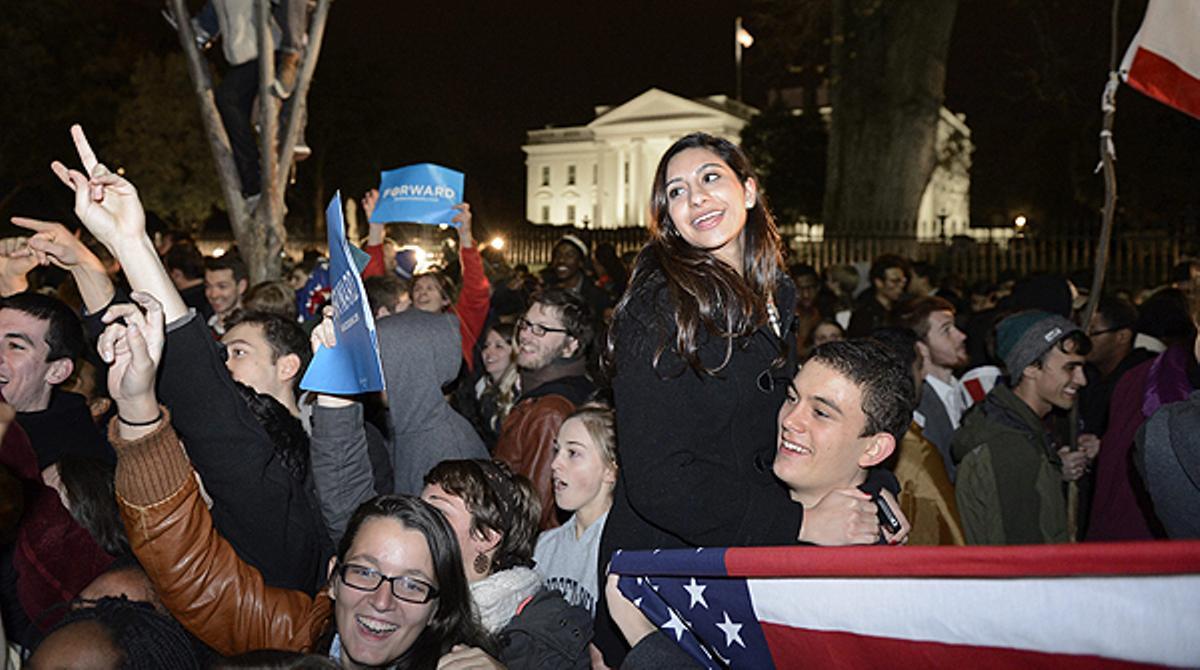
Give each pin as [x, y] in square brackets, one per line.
[657, 106]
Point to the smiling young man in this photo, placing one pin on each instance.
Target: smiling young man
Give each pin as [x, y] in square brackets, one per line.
[225, 281]
[41, 340]
[846, 409]
[552, 343]
[1010, 470]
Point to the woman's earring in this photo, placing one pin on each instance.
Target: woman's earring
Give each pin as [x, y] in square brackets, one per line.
[482, 564]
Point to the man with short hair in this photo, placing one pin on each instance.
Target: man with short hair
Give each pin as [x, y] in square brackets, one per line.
[225, 280]
[846, 410]
[889, 279]
[1112, 330]
[42, 339]
[387, 294]
[268, 353]
[553, 338]
[1010, 469]
[808, 312]
[185, 265]
[943, 349]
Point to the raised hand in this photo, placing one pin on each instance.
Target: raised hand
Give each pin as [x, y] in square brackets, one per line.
[16, 260]
[369, 200]
[132, 346]
[463, 220]
[53, 243]
[105, 202]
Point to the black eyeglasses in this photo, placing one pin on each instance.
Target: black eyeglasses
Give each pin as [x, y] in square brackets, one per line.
[408, 589]
[1106, 330]
[536, 328]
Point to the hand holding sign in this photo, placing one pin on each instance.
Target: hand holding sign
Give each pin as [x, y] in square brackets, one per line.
[422, 193]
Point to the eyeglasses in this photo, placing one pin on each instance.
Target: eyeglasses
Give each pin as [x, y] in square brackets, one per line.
[408, 589]
[1106, 330]
[538, 329]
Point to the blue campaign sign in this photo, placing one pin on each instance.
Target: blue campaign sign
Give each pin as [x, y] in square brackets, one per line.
[422, 193]
[353, 366]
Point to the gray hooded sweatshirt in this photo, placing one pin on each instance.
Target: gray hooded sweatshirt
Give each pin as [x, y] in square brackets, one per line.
[421, 352]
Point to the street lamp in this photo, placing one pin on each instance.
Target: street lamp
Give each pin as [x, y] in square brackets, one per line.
[497, 243]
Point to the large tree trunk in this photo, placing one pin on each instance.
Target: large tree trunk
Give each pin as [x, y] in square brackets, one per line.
[259, 230]
[889, 71]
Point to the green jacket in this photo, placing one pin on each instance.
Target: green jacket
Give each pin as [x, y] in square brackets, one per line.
[1009, 486]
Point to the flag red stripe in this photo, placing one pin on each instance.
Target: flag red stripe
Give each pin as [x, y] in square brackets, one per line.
[803, 648]
[1165, 81]
[1116, 558]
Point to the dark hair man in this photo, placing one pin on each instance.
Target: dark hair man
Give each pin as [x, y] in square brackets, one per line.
[225, 280]
[268, 353]
[1010, 470]
[568, 270]
[943, 349]
[185, 265]
[42, 339]
[847, 409]
[1112, 330]
[889, 279]
[553, 339]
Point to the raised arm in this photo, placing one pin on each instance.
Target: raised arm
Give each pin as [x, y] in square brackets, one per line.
[474, 300]
[341, 465]
[108, 205]
[52, 243]
[197, 573]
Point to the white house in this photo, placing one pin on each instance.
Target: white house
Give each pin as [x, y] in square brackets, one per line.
[599, 175]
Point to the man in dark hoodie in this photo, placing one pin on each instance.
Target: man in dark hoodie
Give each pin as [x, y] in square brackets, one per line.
[553, 338]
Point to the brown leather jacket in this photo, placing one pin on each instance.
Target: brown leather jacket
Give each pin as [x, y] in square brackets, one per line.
[213, 593]
[527, 445]
[926, 494]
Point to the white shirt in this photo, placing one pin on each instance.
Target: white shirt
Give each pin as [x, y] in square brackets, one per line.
[952, 396]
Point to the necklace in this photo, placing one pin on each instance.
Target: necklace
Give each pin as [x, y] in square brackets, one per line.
[773, 316]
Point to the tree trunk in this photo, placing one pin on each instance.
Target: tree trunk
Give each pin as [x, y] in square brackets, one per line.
[259, 231]
[889, 72]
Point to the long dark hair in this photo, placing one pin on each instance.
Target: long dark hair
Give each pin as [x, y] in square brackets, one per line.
[454, 620]
[706, 292]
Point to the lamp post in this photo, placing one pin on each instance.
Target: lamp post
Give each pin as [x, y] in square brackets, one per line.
[741, 39]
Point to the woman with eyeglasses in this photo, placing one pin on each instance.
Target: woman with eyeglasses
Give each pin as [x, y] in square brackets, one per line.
[400, 592]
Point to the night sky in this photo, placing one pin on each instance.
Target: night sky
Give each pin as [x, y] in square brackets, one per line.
[459, 83]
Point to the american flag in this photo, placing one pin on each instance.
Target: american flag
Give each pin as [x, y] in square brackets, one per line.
[1134, 604]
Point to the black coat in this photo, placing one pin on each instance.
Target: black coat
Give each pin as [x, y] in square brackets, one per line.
[695, 450]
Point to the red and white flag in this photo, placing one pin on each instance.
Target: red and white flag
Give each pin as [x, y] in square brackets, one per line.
[1164, 60]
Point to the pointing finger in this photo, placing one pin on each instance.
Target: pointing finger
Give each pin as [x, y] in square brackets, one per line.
[86, 155]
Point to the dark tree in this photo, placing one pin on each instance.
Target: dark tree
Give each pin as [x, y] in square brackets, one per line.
[788, 150]
[888, 73]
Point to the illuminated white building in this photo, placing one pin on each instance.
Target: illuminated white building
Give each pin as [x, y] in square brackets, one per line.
[599, 175]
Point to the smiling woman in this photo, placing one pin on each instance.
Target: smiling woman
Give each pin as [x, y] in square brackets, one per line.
[700, 354]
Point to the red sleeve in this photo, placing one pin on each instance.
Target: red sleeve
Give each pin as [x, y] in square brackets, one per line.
[376, 267]
[473, 302]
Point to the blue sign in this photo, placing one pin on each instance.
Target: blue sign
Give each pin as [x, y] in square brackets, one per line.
[353, 365]
[422, 193]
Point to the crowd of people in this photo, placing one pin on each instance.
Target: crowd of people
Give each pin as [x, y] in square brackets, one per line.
[173, 498]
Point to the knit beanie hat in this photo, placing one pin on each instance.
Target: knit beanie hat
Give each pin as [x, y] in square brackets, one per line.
[1024, 337]
[575, 242]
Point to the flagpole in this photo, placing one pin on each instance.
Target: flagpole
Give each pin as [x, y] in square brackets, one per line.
[1108, 158]
[737, 56]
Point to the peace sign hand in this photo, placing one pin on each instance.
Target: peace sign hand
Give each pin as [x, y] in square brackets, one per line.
[105, 202]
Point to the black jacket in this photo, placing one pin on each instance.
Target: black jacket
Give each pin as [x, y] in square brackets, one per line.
[695, 450]
[263, 502]
[547, 633]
